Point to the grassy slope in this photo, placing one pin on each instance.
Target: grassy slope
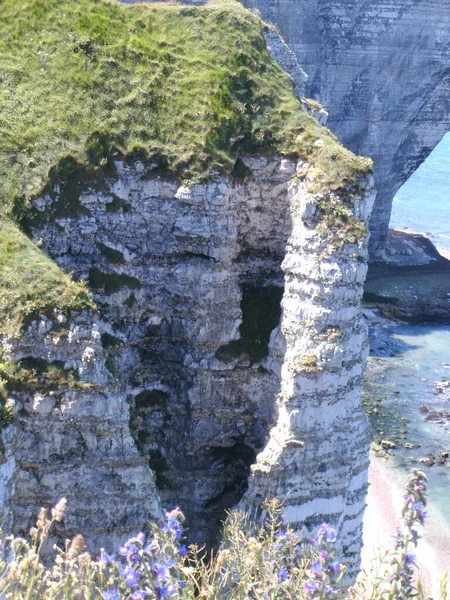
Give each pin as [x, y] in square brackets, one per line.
[176, 82]
[30, 282]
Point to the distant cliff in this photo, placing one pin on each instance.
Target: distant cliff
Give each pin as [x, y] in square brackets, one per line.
[381, 68]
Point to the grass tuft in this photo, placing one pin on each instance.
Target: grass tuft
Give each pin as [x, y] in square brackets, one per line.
[31, 283]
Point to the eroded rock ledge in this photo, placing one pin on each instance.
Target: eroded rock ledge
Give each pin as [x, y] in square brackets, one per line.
[188, 282]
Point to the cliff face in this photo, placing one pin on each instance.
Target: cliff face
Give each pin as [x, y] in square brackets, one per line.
[188, 282]
[320, 439]
[70, 437]
[381, 70]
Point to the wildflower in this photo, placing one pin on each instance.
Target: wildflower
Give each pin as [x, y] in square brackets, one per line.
[132, 578]
[283, 574]
[59, 510]
[138, 594]
[323, 554]
[315, 568]
[141, 538]
[182, 549]
[409, 559]
[172, 525]
[77, 546]
[167, 590]
[331, 536]
[105, 557]
[153, 546]
[310, 586]
[334, 566]
[159, 570]
[110, 594]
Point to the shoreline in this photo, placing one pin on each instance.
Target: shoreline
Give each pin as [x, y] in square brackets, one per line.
[383, 515]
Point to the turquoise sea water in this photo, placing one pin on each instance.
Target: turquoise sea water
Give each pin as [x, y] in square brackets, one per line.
[403, 383]
[422, 359]
[423, 202]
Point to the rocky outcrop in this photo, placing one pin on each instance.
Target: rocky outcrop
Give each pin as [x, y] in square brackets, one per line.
[188, 281]
[70, 437]
[381, 70]
[317, 455]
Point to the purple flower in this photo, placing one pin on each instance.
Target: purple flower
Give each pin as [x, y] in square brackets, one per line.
[110, 594]
[334, 566]
[331, 536]
[172, 525]
[182, 550]
[409, 559]
[310, 586]
[417, 506]
[323, 554]
[138, 594]
[315, 568]
[152, 546]
[159, 570]
[141, 537]
[283, 574]
[105, 557]
[132, 578]
[167, 590]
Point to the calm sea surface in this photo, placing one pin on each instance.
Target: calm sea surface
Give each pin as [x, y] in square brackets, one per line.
[423, 202]
[409, 379]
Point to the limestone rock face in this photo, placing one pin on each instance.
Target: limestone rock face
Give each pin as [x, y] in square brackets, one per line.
[381, 69]
[188, 281]
[73, 441]
[316, 458]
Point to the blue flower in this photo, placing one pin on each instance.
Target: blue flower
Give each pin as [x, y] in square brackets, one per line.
[159, 570]
[167, 590]
[315, 568]
[138, 594]
[182, 550]
[323, 554]
[331, 536]
[310, 586]
[334, 566]
[105, 557]
[132, 578]
[110, 594]
[283, 574]
[409, 559]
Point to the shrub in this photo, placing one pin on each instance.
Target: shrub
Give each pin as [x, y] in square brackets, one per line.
[265, 561]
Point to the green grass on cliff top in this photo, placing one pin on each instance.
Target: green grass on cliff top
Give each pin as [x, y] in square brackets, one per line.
[31, 283]
[178, 81]
[87, 78]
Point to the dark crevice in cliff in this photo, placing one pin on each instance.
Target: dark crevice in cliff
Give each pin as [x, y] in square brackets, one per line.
[261, 311]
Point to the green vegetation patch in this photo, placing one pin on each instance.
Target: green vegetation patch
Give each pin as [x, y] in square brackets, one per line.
[35, 374]
[31, 283]
[87, 80]
[261, 312]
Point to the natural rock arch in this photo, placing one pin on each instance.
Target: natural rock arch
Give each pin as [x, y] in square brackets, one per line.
[382, 71]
